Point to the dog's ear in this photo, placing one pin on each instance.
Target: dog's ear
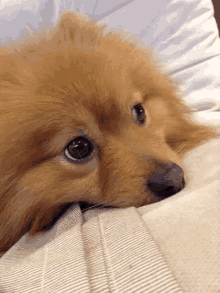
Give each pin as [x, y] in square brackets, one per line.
[188, 135]
[77, 28]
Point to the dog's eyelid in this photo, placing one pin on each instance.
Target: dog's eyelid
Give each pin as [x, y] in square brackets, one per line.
[147, 97]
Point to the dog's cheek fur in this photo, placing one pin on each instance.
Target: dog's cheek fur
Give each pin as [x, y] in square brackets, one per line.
[37, 198]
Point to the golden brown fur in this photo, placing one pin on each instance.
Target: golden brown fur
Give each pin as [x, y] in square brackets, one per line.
[73, 81]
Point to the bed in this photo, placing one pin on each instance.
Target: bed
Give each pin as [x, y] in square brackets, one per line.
[171, 246]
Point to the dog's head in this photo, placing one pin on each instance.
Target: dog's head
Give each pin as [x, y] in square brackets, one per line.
[86, 116]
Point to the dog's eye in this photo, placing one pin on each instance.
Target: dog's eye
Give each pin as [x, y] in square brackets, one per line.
[138, 113]
[79, 150]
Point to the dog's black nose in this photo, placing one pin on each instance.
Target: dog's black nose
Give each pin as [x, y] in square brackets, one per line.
[167, 180]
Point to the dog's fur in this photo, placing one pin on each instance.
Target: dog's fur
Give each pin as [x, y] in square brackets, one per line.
[81, 80]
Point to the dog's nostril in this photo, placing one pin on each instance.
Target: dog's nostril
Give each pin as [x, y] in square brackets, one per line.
[167, 181]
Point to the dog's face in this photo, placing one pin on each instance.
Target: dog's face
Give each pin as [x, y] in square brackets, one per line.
[94, 122]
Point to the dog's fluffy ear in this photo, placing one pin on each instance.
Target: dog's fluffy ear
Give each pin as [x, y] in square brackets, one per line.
[188, 135]
[77, 28]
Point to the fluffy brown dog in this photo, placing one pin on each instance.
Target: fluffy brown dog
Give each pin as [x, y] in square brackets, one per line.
[86, 116]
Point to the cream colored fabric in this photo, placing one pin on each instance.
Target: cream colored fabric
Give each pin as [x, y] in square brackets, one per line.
[171, 246]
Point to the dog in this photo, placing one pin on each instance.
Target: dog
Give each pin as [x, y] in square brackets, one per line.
[86, 116]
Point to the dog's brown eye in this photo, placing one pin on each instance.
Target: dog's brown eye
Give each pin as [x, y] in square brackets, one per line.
[79, 150]
[138, 113]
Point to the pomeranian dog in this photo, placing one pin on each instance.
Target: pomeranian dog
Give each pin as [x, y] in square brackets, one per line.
[86, 116]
